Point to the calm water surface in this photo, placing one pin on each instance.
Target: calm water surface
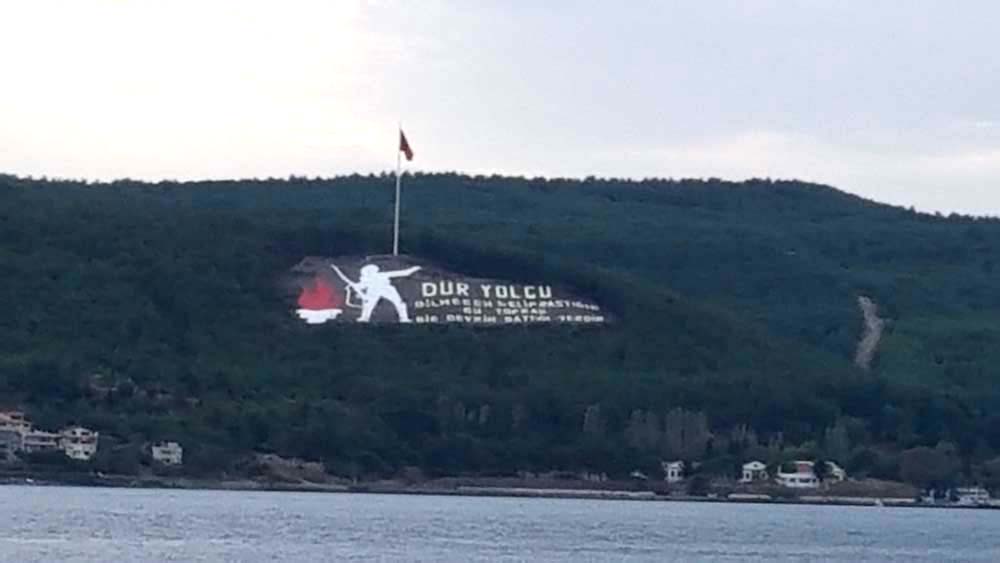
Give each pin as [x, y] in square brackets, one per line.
[91, 524]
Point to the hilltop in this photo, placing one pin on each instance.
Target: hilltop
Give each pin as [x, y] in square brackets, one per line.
[738, 309]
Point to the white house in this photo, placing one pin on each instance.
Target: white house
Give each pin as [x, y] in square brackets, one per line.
[168, 453]
[638, 475]
[593, 477]
[39, 441]
[835, 472]
[804, 476]
[972, 496]
[78, 443]
[754, 471]
[673, 471]
[14, 421]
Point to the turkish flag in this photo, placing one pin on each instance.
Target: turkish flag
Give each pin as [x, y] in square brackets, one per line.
[404, 146]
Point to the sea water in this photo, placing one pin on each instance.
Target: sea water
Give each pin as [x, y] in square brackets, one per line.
[123, 525]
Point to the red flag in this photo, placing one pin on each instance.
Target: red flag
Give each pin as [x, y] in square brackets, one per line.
[404, 146]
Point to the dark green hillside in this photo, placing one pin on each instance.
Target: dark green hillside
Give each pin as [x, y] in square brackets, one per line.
[737, 305]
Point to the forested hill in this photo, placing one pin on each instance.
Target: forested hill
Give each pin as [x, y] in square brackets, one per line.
[152, 311]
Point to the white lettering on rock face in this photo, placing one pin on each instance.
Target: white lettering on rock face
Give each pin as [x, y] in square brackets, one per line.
[444, 289]
[428, 289]
[516, 303]
[443, 297]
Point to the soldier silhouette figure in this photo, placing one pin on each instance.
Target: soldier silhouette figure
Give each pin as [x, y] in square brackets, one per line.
[375, 285]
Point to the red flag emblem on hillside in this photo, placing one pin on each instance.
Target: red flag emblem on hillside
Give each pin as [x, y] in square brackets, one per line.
[319, 302]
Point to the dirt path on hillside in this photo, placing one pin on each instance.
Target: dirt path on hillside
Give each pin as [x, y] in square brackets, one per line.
[872, 334]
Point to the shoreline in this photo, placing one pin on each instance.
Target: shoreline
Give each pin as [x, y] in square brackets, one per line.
[395, 488]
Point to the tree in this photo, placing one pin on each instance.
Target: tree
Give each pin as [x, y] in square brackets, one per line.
[991, 475]
[686, 434]
[699, 485]
[836, 442]
[821, 469]
[118, 460]
[927, 468]
[52, 459]
[593, 421]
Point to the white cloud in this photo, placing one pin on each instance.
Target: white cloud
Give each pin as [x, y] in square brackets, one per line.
[184, 88]
[896, 105]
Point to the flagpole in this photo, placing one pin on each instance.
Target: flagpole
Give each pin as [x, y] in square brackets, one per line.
[395, 225]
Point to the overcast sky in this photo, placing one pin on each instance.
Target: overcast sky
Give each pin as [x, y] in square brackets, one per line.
[897, 101]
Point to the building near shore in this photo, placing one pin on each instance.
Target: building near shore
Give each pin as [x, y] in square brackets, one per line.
[78, 443]
[835, 472]
[168, 453]
[18, 435]
[673, 471]
[36, 440]
[593, 477]
[754, 471]
[638, 475]
[804, 475]
[14, 421]
[972, 496]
